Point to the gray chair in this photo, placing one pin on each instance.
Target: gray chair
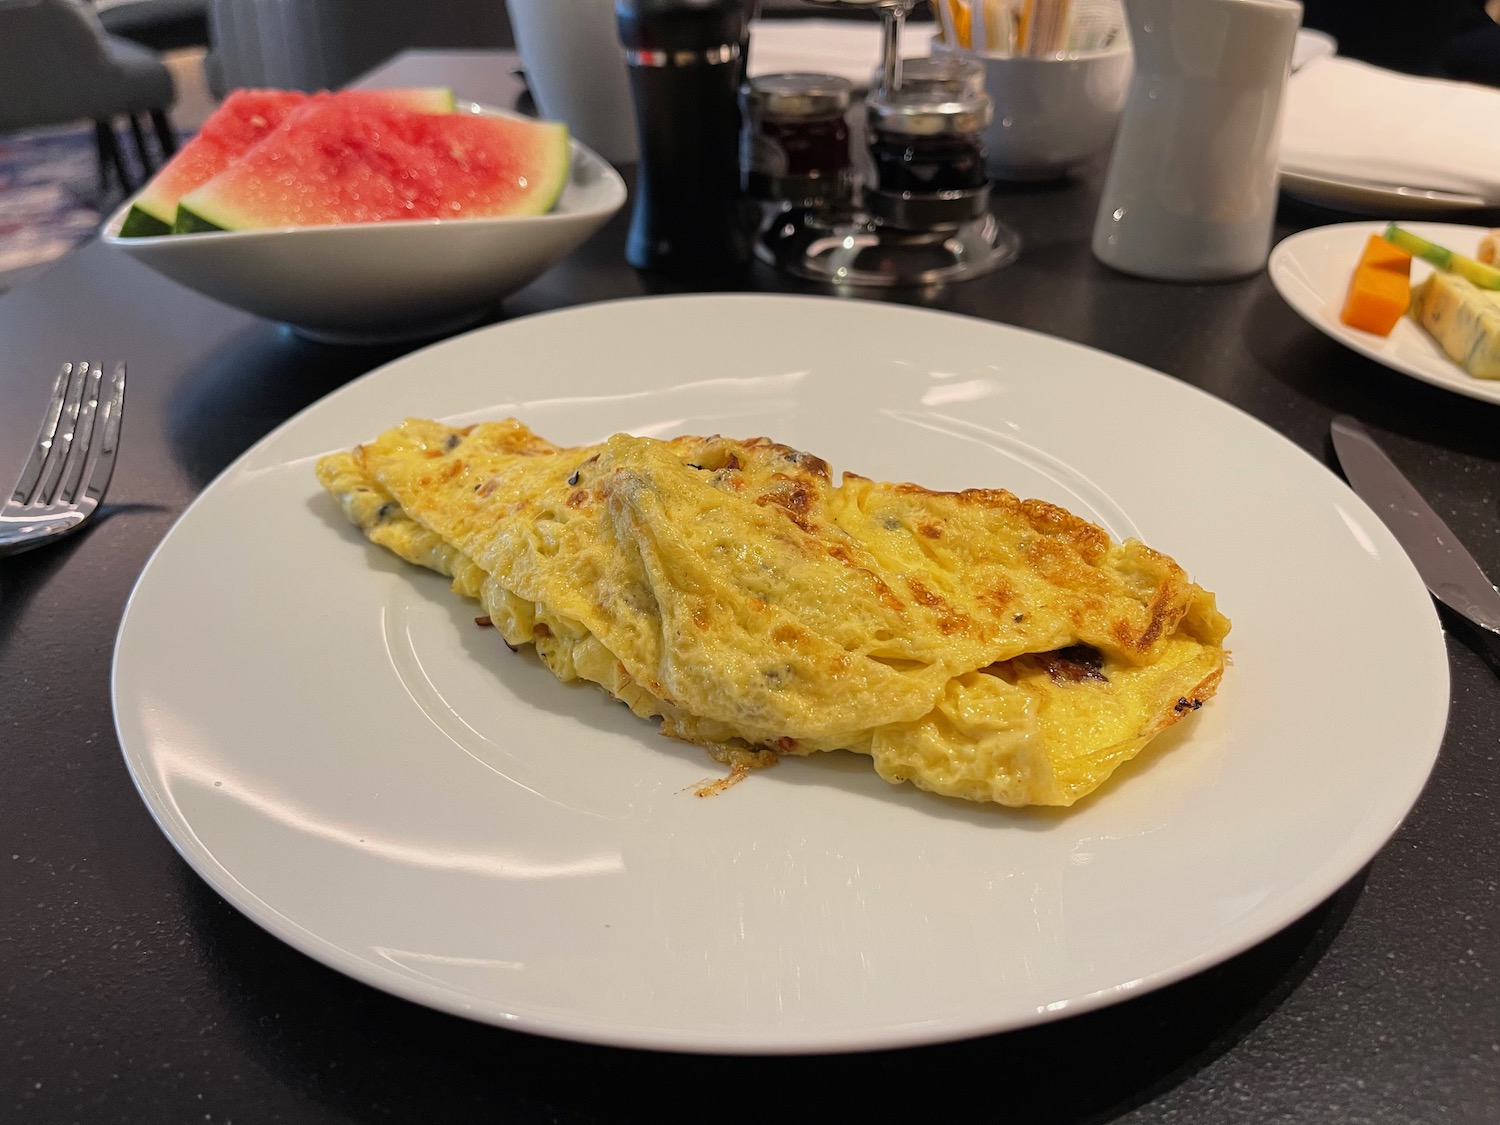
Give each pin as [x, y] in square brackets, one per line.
[162, 25]
[323, 44]
[58, 65]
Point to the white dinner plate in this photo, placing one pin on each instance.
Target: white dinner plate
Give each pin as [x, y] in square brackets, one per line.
[332, 742]
[1311, 270]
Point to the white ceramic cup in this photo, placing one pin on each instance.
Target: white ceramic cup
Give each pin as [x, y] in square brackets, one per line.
[1191, 190]
[575, 69]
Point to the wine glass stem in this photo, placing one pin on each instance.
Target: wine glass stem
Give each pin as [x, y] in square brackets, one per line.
[891, 48]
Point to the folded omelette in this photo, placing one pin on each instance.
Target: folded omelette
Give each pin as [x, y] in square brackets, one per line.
[972, 643]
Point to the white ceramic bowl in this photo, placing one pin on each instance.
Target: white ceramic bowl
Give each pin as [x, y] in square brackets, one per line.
[1051, 114]
[374, 282]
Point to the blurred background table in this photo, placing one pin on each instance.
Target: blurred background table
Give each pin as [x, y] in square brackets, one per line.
[129, 991]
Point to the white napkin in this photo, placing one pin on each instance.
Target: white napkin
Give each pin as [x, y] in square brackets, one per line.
[1351, 121]
[1312, 45]
[848, 48]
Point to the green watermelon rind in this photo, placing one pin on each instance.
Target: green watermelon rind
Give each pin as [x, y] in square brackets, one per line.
[142, 222]
[189, 221]
[441, 97]
[207, 215]
[560, 168]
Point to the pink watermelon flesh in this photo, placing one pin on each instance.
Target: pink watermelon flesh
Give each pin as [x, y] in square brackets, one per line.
[243, 119]
[331, 162]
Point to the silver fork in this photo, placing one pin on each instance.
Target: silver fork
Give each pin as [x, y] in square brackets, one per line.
[72, 461]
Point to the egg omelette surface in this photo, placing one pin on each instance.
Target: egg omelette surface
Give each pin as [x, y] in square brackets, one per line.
[972, 643]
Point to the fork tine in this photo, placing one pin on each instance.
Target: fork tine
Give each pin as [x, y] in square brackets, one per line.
[54, 448]
[75, 449]
[103, 466]
[32, 470]
[80, 444]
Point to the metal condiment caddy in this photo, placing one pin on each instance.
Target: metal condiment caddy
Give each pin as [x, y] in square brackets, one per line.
[919, 215]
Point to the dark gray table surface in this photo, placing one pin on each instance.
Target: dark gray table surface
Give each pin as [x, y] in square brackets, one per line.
[129, 991]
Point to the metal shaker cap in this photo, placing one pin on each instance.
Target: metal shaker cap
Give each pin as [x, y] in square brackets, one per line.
[938, 96]
[796, 95]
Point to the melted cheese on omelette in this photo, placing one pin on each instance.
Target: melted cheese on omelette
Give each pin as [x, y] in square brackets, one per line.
[972, 643]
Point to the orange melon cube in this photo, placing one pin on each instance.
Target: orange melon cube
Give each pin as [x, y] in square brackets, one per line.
[1379, 289]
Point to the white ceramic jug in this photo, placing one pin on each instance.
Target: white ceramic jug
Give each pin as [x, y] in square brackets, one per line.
[1190, 194]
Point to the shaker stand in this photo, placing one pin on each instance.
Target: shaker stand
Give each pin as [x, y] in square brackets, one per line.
[857, 248]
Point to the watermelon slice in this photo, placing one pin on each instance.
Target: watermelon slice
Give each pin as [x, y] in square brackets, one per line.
[330, 162]
[243, 119]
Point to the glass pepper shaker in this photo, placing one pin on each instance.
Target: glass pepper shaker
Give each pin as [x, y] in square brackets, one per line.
[927, 145]
[794, 149]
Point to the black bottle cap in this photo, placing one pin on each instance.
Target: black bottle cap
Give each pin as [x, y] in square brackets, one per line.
[681, 25]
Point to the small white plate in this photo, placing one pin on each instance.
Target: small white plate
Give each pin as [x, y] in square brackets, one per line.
[1311, 271]
[1379, 199]
[328, 738]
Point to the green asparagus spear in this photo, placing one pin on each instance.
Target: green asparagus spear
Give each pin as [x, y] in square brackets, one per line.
[1486, 277]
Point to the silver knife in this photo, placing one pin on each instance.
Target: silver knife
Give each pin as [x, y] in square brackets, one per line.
[1450, 572]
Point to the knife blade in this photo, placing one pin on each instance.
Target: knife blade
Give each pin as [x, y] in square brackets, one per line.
[1451, 574]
